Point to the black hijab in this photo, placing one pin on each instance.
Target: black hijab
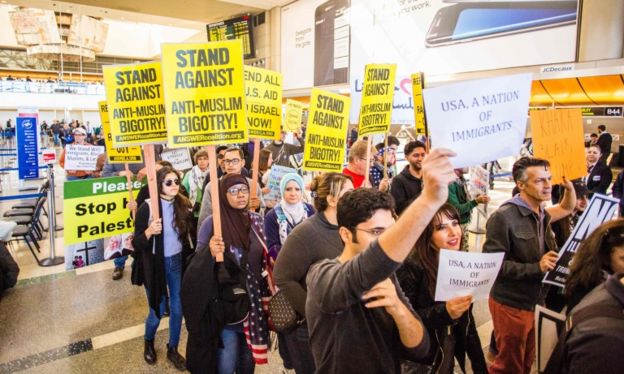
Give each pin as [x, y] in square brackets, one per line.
[235, 223]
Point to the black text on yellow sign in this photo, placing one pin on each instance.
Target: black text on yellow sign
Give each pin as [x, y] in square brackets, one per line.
[377, 96]
[116, 155]
[204, 93]
[263, 89]
[134, 94]
[326, 132]
[419, 105]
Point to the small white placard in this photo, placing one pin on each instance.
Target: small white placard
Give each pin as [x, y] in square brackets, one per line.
[82, 157]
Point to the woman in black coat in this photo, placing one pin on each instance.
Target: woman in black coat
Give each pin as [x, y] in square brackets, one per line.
[450, 324]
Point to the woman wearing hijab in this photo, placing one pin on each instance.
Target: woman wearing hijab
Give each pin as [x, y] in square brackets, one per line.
[161, 247]
[223, 301]
[286, 215]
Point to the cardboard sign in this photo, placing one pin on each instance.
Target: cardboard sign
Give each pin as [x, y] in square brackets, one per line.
[466, 273]
[82, 157]
[481, 120]
[419, 105]
[600, 209]
[377, 95]
[180, 158]
[204, 93]
[263, 90]
[326, 132]
[134, 94]
[116, 155]
[294, 112]
[558, 137]
[96, 208]
[275, 177]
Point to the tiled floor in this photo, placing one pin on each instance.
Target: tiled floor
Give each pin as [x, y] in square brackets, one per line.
[57, 321]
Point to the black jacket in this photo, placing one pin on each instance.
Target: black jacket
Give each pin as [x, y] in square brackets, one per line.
[150, 268]
[449, 338]
[599, 178]
[405, 188]
[604, 142]
[8, 269]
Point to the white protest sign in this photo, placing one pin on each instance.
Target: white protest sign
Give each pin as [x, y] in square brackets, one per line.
[466, 273]
[82, 157]
[275, 177]
[481, 120]
[180, 158]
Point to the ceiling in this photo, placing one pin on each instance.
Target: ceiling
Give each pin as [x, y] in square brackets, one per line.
[583, 90]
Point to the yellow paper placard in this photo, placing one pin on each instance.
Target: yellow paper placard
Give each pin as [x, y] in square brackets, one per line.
[204, 93]
[134, 94]
[96, 208]
[116, 155]
[326, 132]
[294, 112]
[377, 96]
[558, 137]
[419, 105]
[263, 89]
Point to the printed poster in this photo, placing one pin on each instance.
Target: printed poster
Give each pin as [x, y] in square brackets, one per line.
[116, 155]
[263, 89]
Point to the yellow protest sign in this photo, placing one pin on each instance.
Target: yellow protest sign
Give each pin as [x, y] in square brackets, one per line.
[294, 112]
[116, 155]
[204, 93]
[419, 105]
[263, 90]
[96, 208]
[134, 94]
[377, 96]
[326, 132]
[558, 137]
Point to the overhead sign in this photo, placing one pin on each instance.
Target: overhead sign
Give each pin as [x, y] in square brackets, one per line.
[466, 273]
[121, 154]
[294, 112]
[27, 133]
[326, 133]
[377, 96]
[600, 209]
[419, 105]
[204, 93]
[134, 94]
[481, 120]
[558, 137]
[96, 208]
[82, 157]
[263, 90]
[602, 111]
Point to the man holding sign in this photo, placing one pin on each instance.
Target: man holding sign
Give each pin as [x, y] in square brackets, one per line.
[80, 136]
[521, 229]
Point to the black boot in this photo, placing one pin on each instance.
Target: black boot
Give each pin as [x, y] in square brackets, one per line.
[178, 361]
[149, 353]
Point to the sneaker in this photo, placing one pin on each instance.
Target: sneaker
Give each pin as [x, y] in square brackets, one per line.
[118, 273]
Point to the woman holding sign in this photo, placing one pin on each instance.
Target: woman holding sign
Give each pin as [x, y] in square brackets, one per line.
[161, 247]
[450, 324]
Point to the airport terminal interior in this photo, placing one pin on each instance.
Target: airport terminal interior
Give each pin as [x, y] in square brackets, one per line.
[72, 309]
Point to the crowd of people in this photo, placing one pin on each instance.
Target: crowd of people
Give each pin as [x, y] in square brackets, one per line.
[356, 259]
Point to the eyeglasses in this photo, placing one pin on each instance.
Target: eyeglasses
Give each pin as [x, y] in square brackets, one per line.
[233, 162]
[375, 231]
[170, 182]
[233, 191]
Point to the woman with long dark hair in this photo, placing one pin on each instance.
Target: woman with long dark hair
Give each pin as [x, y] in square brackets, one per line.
[599, 255]
[450, 324]
[161, 247]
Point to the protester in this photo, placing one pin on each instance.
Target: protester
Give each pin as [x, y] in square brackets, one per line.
[356, 168]
[376, 172]
[314, 239]
[282, 151]
[234, 336]
[451, 325]
[264, 170]
[563, 227]
[593, 139]
[161, 247]
[358, 291]
[80, 136]
[459, 198]
[599, 255]
[407, 186]
[233, 163]
[194, 181]
[604, 142]
[221, 167]
[599, 175]
[618, 191]
[521, 229]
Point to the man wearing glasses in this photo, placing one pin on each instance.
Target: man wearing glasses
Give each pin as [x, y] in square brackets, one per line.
[233, 162]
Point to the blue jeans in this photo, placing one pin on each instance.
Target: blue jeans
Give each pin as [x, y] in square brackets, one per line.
[297, 342]
[120, 262]
[235, 356]
[173, 273]
[56, 139]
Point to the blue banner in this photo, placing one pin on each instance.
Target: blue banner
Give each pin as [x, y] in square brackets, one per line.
[27, 147]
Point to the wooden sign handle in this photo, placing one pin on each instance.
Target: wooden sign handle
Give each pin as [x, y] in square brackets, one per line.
[368, 155]
[255, 168]
[150, 165]
[130, 194]
[214, 195]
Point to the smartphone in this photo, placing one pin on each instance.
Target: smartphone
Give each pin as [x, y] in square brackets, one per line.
[332, 39]
[468, 20]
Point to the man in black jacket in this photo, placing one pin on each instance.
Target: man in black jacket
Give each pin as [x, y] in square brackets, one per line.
[599, 175]
[604, 142]
[406, 186]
